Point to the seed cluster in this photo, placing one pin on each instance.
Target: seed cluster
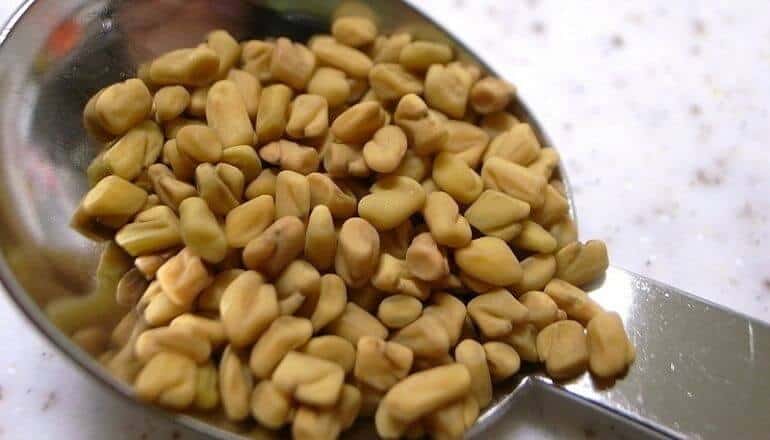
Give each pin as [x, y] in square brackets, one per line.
[300, 235]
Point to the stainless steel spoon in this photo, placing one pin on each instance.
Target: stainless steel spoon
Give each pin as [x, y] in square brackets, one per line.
[700, 369]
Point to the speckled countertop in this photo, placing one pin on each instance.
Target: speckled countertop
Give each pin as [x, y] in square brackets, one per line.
[660, 110]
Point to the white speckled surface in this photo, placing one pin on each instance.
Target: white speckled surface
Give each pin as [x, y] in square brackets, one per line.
[660, 110]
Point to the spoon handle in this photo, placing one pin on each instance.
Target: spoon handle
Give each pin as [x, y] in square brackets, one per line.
[700, 370]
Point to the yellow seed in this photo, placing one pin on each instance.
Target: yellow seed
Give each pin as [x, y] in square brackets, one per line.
[543, 311]
[533, 237]
[398, 311]
[545, 164]
[91, 120]
[386, 149]
[466, 141]
[392, 276]
[276, 246]
[472, 354]
[200, 143]
[245, 158]
[309, 117]
[391, 81]
[299, 277]
[579, 264]
[158, 307]
[537, 271]
[188, 67]
[235, 385]
[291, 156]
[247, 308]
[207, 388]
[183, 277]
[502, 359]
[420, 55]
[256, 56]
[249, 220]
[221, 186]
[575, 302]
[227, 48]
[425, 132]
[273, 112]
[490, 95]
[354, 31]
[391, 202]
[201, 231]
[320, 238]
[270, 406]
[286, 333]
[496, 312]
[182, 165]
[381, 364]
[168, 379]
[523, 340]
[555, 207]
[447, 89]
[250, 89]
[226, 113]
[308, 379]
[425, 260]
[351, 61]
[122, 106]
[198, 98]
[610, 351]
[455, 177]
[332, 348]
[154, 230]
[426, 337]
[133, 152]
[563, 347]
[208, 300]
[263, 184]
[514, 180]
[292, 195]
[167, 339]
[396, 241]
[331, 84]
[447, 226]
[358, 123]
[325, 191]
[170, 102]
[170, 190]
[210, 329]
[114, 197]
[451, 313]
[358, 252]
[497, 214]
[388, 49]
[292, 63]
[343, 160]
[424, 392]
[498, 122]
[518, 145]
[490, 260]
[355, 323]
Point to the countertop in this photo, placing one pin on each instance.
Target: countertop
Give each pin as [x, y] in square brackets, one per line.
[660, 111]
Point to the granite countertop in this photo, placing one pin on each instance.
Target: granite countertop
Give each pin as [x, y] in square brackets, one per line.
[660, 111]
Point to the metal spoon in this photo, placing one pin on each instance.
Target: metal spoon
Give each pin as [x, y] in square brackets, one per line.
[700, 368]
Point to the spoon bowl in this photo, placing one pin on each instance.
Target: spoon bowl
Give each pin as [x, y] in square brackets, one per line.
[699, 367]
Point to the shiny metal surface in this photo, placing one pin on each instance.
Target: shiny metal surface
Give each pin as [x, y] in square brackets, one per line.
[699, 370]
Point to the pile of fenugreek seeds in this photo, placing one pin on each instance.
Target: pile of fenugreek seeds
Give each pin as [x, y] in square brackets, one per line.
[302, 235]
